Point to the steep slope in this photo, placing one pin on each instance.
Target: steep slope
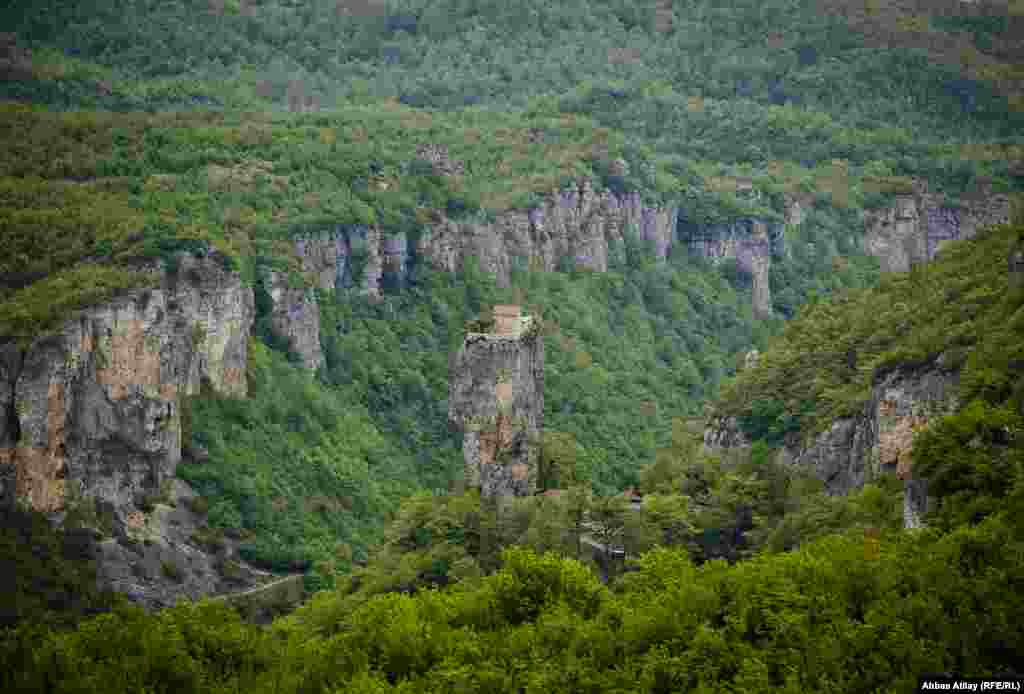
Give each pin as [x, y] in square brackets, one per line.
[608, 149]
[92, 425]
[914, 229]
[117, 261]
[854, 383]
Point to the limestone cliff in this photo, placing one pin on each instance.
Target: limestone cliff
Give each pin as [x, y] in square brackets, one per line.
[750, 242]
[588, 228]
[880, 439]
[496, 396]
[355, 255]
[90, 419]
[915, 227]
[796, 204]
[295, 317]
[342, 258]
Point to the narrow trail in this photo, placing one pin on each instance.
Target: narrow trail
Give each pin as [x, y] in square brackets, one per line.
[257, 589]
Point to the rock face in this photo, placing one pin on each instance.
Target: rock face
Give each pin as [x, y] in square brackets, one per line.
[855, 450]
[588, 228]
[355, 254]
[725, 432]
[914, 229]
[796, 206]
[91, 414]
[10, 366]
[904, 403]
[751, 242]
[295, 317]
[338, 259]
[159, 563]
[496, 396]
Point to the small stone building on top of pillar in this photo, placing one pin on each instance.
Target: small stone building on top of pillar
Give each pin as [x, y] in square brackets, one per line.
[496, 397]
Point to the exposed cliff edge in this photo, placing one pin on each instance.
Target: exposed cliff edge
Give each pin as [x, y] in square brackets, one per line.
[578, 225]
[295, 317]
[350, 254]
[879, 440]
[587, 227]
[751, 243]
[856, 380]
[913, 230]
[91, 424]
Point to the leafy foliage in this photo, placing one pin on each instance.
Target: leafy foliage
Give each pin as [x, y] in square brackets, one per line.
[49, 574]
[819, 616]
[302, 468]
[821, 366]
[138, 130]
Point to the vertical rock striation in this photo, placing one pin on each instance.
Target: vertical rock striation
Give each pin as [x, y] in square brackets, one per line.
[879, 440]
[95, 405]
[90, 416]
[751, 243]
[295, 317]
[796, 204]
[351, 255]
[334, 260]
[917, 225]
[496, 396]
[588, 228]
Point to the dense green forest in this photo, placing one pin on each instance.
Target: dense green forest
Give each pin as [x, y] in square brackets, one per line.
[143, 130]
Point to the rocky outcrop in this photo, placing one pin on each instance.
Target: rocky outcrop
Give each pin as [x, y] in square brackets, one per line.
[750, 242]
[796, 204]
[839, 456]
[91, 414]
[496, 396]
[904, 402]
[725, 433]
[588, 228]
[355, 255]
[440, 160]
[295, 317]
[333, 260]
[326, 258]
[894, 235]
[751, 359]
[879, 440]
[170, 555]
[916, 226]
[578, 224]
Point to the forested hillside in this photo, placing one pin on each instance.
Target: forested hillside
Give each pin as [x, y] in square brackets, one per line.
[826, 615]
[149, 146]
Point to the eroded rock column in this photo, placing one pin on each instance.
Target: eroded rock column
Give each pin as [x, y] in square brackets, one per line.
[496, 397]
